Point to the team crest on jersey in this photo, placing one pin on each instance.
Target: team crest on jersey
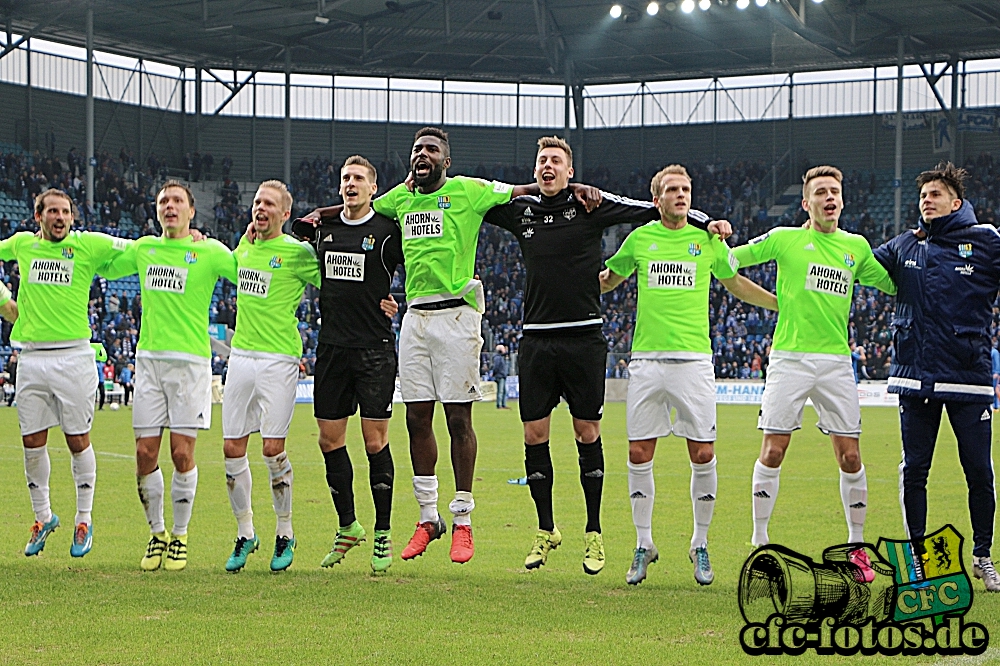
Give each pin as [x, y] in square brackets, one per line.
[965, 250]
[849, 260]
[67, 252]
[190, 257]
[569, 213]
[443, 202]
[275, 262]
[369, 242]
[694, 249]
[528, 233]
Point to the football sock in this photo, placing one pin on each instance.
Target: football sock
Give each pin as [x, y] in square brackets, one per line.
[538, 470]
[282, 476]
[182, 490]
[239, 483]
[461, 508]
[854, 496]
[151, 496]
[642, 491]
[592, 479]
[425, 489]
[36, 470]
[765, 491]
[340, 479]
[381, 474]
[704, 486]
[84, 467]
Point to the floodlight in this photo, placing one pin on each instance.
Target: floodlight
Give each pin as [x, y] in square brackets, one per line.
[761, 3]
[742, 4]
[616, 11]
[704, 5]
[817, 1]
[687, 6]
[321, 19]
[652, 8]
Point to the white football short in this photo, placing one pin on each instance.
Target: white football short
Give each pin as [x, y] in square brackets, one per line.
[439, 355]
[826, 379]
[171, 393]
[56, 387]
[259, 395]
[656, 386]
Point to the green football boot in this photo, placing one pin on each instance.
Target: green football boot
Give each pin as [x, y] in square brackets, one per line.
[241, 552]
[347, 538]
[382, 551]
[544, 542]
[593, 555]
[284, 551]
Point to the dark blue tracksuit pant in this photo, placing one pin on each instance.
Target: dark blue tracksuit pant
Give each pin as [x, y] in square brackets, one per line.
[920, 419]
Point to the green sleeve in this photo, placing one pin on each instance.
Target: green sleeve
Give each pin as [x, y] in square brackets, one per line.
[386, 204]
[225, 262]
[758, 251]
[5, 294]
[8, 246]
[872, 274]
[306, 265]
[121, 263]
[486, 194]
[725, 264]
[623, 261]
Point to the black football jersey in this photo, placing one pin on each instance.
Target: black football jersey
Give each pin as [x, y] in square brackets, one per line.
[561, 245]
[357, 259]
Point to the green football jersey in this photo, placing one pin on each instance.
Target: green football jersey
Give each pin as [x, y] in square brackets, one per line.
[55, 282]
[177, 278]
[674, 269]
[272, 276]
[816, 275]
[440, 232]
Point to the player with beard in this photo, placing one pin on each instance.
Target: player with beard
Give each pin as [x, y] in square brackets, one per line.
[263, 374]
[563, 352]
[817, 269]
[440, 338]
[671, 365]
[356, 357]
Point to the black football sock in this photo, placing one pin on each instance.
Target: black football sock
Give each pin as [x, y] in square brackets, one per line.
[538, 468]
[380, 476]
[340, 479]
[592, 480]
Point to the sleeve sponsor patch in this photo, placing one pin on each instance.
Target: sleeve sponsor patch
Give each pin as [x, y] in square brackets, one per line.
[829, 280]
[502, 188]
[253, 283]
[423, 224]
[344, 266]
[120, 244]
[57, 272]
[734, 263]
[166, 278]
[672, 274]
[759, 239]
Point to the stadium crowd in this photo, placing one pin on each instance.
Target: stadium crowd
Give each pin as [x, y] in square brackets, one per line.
[741, 334]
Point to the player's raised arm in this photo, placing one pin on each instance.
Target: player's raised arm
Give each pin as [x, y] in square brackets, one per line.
[8, 309]
[610, 280]
[871, 273]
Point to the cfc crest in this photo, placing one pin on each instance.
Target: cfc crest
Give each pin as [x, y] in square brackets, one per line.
[369, 242]
[190, 257]
[694, 249]
[275, 262]
[67, 252]
[965, 250]
[849, 259]
[443, 202]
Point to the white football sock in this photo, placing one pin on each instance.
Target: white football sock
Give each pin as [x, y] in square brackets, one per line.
[84, 466]
[461, 508]
[239, 483]
[704, 487]
[642, 491]
[281, 491]
[36, 470]
[854, 496]
[765, 492]
[425, 489]
[182, 490]
[151, 496]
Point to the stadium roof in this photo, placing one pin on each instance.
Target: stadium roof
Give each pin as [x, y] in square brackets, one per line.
[545, 41]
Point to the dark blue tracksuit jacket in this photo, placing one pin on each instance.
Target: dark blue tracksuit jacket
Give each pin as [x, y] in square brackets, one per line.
[941, 356]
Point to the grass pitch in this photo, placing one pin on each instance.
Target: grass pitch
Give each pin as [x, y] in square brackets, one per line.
[103, 610]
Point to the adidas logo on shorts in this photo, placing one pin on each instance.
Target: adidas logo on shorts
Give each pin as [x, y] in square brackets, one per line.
[986, 415]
